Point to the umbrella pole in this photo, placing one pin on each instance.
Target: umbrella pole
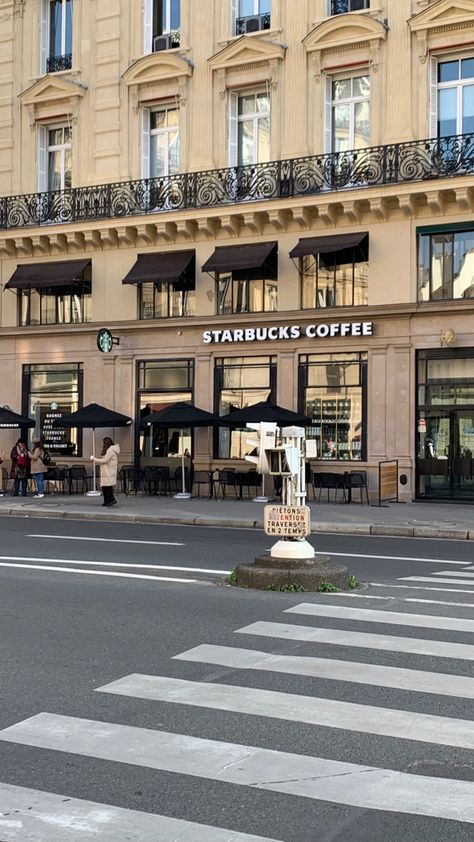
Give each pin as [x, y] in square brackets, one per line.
[261, 498]
[182, 495]
[94, 492]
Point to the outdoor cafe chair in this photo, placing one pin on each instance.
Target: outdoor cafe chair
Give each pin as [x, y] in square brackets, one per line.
[248, 480]
[78, 479]
[330, 482]
[358, 479]
[201, 478]
[132, 480]
[229, 479]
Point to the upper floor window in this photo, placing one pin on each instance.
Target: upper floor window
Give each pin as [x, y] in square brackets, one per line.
[348, 113]
[54, 158]
[50, 302]
[56, 35]
[166, 300]
[164, 142]
[446, 265]
[452, 97]
[335, 278]
[249, 129]
[251, 16]
[162, 25]
[341, 7]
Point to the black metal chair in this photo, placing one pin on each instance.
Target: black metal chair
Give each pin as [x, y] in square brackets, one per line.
[308, 478]
[152, 479]
[78, 479]
[201, 478]
[249, 480]
[228, 479]
[176, 481]
[358, 479]
[330, 482]
[132, 480]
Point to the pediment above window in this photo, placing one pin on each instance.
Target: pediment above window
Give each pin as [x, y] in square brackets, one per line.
[50, 90]
[156, 68]
[345, 32]
[444, 14]
[247, 51]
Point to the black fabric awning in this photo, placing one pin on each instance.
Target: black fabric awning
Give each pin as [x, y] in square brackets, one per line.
[162, 267]
[41, 275]
[234, 258]
[330, 244]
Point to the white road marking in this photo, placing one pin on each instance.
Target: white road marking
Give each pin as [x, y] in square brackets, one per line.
[419, 588]
[441, 602]
[310, 710]
[333, 670]
[462, 573]
[108, 540]
[392, 618]
[115, 564]
[405, 599]
[396, 558]
[265, 769]
[117, 574]
[28, 814]
[362, 640]
[430, 579]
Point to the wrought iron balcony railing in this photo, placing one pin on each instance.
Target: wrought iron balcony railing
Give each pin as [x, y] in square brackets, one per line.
[252, 23]
[340, 7]
[167, 41]
[56, 63]
[396, 163]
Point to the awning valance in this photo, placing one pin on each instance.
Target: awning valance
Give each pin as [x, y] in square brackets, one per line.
[163, 267]
[41, 275]
[237, 258]
[330, 244]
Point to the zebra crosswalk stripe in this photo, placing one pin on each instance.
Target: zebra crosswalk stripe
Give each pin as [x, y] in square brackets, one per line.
[392, 618]
[367, 787]
[28, 814]
[329, 713]
[377, 675]
[364, 640]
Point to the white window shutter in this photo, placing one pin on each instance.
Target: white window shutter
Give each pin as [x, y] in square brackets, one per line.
[147, 26]
[44, 34]
[42, 158]
[145, 143]
[433, 127]
[233, 15]
[233, 129]
[328, 114]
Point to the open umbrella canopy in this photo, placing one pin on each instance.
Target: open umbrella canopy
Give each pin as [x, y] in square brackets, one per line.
[93, 415]
[9, 419]
[264, 411]
[181, 415]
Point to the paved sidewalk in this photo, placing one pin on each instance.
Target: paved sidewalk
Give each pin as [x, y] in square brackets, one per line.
[419, 520]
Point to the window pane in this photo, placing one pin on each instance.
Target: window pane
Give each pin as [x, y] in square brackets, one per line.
[224, 294]
[67, 168]
[175, 14]
[161, 301]
[246, 8]
[240, 296]
[467, 68]
[463, 265]
[448, 71]
[247, 104]
[341, 128]
[48, 309]
[68, 45]
[55, 137]
[361, 284]
[468, 109]
[264, 6]
[342, 89]
[447, 112]
[246, 143]
[157, 155]
[325, 294]
[441, 266]
[271, 296]
[66, 134]
[362, 125]
[263, 153]
[173, 153]
[308, 297]
[424, 268]
[55, 11]
[157, 120]
[343, 284]
[159, 17]
[263, 104]
[172, 116]
[361, 86]
[54, 171]
[169, 375]
[147, 301]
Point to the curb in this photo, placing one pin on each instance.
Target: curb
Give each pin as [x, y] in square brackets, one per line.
[244, 523]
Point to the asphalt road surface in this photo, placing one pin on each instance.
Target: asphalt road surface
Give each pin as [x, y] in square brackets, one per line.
[141, 709]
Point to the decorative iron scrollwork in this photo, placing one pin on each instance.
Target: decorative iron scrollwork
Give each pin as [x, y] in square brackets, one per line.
[56, 63]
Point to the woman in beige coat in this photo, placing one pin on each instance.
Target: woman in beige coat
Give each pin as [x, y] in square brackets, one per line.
[38, 468]
[108, 470]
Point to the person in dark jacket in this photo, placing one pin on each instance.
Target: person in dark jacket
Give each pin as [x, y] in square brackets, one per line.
[20, 468]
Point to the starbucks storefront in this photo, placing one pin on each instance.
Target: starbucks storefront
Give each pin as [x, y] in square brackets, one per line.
[445, 425]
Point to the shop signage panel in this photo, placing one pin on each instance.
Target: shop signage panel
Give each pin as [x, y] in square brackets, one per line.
[287, 521]
[322, 330]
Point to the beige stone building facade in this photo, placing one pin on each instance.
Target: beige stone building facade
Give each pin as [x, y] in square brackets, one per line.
[259, 199]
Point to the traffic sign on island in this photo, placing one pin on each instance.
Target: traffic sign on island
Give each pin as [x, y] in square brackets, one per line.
[287, 521]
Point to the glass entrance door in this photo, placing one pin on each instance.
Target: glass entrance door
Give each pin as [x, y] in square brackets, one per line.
[445, 453]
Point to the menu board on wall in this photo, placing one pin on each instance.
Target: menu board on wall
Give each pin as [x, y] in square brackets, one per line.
[58, 440]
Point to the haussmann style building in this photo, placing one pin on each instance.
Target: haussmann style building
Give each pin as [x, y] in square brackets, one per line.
[258, 199]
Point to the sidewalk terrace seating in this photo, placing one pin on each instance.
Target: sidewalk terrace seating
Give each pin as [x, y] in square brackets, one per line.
[78, 479]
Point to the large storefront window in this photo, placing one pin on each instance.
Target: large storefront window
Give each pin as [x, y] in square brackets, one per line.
[161, 383]
[240, 382]
[333, 393]
[51, 390]
[445, 424]
[446, 265]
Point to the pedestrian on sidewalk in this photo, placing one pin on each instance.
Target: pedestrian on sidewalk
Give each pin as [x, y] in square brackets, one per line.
[20, 467]
[38, 468]
[108, 470]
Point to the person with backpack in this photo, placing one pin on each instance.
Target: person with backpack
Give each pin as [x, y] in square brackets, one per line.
[20, 468]
[38, 466]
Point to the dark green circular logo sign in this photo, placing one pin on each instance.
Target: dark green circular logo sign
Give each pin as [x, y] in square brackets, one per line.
[105, 340]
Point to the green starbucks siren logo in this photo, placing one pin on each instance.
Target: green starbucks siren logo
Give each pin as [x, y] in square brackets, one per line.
[105, 341]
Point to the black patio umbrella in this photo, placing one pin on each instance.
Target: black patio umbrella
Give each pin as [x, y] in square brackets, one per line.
[264, 411]
[9, 419]
[182, 415]
[93, 416]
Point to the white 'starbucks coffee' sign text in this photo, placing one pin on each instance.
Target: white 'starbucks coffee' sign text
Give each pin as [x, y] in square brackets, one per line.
[265, 334]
